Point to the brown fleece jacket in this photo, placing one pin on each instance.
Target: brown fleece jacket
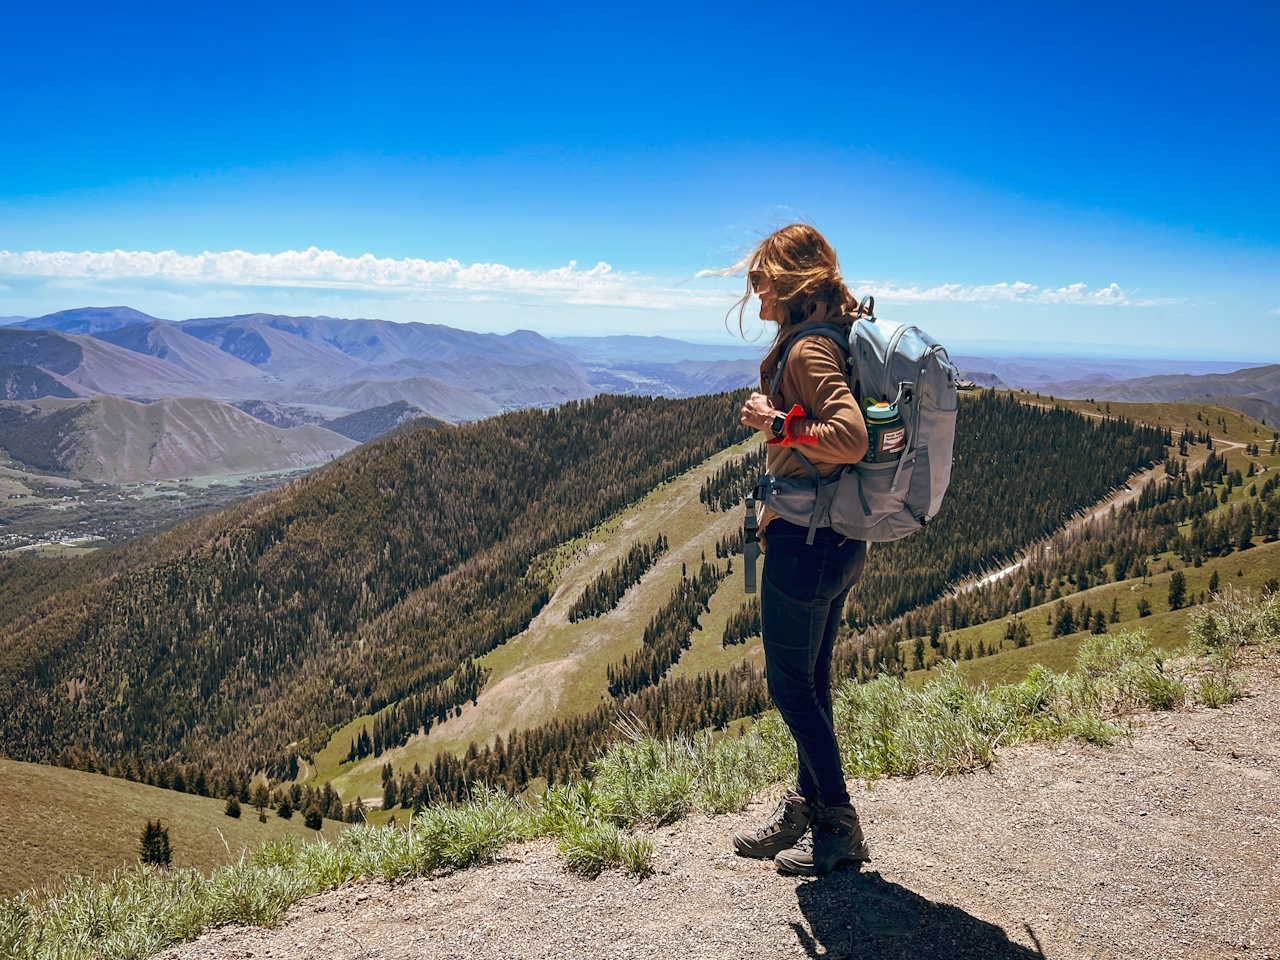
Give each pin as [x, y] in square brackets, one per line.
[815, 379]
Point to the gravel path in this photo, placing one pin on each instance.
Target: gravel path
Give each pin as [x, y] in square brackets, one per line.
[1164, 847]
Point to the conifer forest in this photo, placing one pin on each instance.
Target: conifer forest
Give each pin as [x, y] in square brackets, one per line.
[243, 638]
[238, 642]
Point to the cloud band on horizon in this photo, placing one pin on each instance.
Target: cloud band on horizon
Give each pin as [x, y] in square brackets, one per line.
[600, 285]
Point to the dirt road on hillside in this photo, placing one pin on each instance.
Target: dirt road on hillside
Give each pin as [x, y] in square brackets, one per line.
[1118, 498]
[1166, 847]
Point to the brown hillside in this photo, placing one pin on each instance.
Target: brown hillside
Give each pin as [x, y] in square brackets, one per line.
[113, 440]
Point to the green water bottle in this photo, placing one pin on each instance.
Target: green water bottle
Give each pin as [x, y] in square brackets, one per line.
[886, 433]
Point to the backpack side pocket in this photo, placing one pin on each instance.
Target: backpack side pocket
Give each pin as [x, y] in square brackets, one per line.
[867, 507]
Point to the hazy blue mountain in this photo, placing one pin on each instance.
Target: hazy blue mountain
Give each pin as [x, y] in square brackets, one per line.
[1045, 373]
[1259, 383]
[88, 320]
[1253, 390]
[438, 399]
[166, 341]
[1261, 410]
[280, 353]
[383, 341]
[279, 415]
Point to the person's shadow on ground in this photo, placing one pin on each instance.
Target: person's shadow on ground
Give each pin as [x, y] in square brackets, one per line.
[860, 915]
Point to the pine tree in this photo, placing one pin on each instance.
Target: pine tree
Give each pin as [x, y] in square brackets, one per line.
[285, 809]
[1064, 621]
[313, 819]
[1213, 582]
[154, 844]
[1177, 590]
[232, 809]
[1245, 540]
[259, 799]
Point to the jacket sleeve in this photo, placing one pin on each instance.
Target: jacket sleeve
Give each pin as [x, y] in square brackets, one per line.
[815, 378]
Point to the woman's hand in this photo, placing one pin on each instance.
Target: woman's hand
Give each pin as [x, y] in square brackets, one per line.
[758, 412]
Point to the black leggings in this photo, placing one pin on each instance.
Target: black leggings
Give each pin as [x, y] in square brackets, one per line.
[801, 602]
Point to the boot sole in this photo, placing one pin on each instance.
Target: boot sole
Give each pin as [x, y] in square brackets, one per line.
[794, 869]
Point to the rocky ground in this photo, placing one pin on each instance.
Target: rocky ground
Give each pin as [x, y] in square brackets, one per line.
[1164, 847]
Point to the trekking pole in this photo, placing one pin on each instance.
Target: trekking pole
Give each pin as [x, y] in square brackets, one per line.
[750, 546]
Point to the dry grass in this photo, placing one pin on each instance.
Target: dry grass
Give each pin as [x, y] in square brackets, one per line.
[59, 822]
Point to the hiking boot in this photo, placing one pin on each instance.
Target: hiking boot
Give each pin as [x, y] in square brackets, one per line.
[782, 830]
[835, 838]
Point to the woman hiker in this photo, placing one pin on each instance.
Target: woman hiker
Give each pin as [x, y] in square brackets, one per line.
[795, 274]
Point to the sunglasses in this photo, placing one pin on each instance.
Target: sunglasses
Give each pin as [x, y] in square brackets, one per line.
[756, 277]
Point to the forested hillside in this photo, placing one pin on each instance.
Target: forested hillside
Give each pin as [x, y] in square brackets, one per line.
[1020, 472]
[240, 639]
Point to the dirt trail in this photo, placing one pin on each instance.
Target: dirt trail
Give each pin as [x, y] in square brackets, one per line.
[1165, 847]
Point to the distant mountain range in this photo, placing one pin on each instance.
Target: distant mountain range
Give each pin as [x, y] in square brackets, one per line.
[261, 376]
[349, 380]
[1254, 391]
[341, 366]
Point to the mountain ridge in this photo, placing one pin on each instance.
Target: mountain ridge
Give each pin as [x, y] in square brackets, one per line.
[116, 440]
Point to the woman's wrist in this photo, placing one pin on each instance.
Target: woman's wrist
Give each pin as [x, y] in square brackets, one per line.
[758, 412]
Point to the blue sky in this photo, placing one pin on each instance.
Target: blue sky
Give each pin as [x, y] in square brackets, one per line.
[1076, 174]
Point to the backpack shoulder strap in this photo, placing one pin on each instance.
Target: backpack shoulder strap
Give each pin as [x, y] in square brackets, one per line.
[820, 329]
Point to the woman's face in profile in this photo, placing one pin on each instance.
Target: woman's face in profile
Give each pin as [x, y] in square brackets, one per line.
[762, 284]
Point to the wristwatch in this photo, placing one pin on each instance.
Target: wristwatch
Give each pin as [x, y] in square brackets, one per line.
[779, 423]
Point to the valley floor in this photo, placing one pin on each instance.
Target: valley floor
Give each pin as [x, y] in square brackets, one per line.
[1163, 847]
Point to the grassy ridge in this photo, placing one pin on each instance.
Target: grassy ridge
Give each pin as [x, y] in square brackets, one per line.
[59, 822]
[1173, 416]
[1145, 537]
[1164, 626]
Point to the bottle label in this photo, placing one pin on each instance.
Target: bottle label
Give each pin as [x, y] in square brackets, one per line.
[893, 441]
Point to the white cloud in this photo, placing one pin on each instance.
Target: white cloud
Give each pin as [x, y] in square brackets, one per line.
[416, 279]
[1276, 310]
[1016, 292]
[318, 269]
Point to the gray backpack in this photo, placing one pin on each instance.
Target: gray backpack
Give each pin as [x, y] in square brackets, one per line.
[879, 502]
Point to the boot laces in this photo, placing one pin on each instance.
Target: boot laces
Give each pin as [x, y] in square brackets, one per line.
[831, 822]
[777, 819]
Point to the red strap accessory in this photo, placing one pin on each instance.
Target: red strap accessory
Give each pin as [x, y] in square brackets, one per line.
[789, 437]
